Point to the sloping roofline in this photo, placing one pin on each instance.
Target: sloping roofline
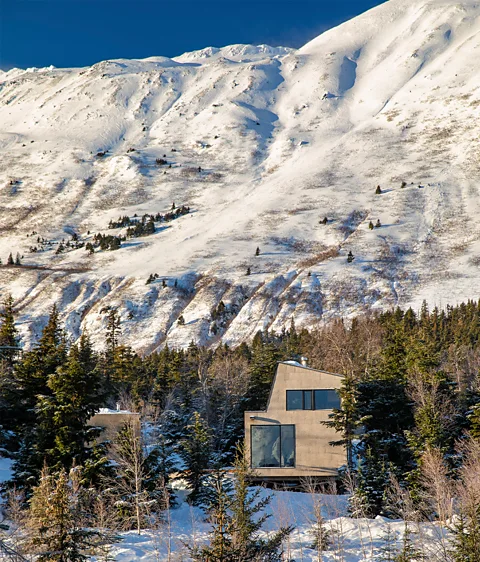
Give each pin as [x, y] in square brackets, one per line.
[297, 366]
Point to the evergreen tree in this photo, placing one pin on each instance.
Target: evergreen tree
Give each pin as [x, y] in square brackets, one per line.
[370, 225]
[10, 259]
[195, 451]
[247, 519]
[466, 536]
[345, 420]
[474, 419]
[368, 498]
[257, 251]
[249, 271]
[385, 414]
[378, 224]
[8, 334]
[112, 341]
[378, 191]
[237, 519]
[350, 257]
[57, 531]
[409, 552]
[64, 436]
[388, 552]
[264, 360]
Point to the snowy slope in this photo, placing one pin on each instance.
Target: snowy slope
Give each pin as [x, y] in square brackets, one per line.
[263, 143]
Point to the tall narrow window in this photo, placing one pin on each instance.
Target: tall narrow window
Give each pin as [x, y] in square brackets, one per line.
[273, 446]
[307, 400]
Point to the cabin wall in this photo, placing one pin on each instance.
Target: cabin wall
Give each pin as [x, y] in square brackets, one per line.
[314, 456]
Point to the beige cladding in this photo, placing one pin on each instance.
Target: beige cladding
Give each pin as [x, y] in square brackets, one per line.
[113, 422]
[314, 456]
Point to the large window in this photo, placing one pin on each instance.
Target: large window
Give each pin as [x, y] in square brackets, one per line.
[325, 399]
[273, 446]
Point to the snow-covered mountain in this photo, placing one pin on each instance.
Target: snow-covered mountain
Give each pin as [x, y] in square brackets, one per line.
[261, 144]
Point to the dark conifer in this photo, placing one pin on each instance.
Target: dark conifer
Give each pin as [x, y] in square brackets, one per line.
[378, 191]
[345, 420]
[10, 259]
[196, 453]
[8, 333]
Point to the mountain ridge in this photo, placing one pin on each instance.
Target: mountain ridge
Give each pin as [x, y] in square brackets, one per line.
[261, 143]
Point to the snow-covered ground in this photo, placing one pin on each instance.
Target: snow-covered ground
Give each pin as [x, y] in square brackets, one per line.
[352, 540]
[263, 144]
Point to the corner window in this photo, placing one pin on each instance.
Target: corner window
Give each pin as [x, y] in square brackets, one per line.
[325, 399]
[273, 446]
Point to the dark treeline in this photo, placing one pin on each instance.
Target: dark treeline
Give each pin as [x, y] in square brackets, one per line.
[411, 387]
[398, 365]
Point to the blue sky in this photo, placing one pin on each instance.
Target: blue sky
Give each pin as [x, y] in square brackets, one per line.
[82, 32]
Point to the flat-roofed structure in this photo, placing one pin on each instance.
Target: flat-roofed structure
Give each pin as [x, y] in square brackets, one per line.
[112, 421]
[288, 441]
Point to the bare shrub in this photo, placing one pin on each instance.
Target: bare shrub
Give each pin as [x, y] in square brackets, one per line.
[332, 252]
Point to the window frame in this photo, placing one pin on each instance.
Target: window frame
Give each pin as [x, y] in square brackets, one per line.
[280, 425]
[313, 401]
[326, 409]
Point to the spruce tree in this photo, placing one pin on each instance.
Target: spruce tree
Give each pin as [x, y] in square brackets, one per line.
[237, 519]
[345, 420]
[55, 524]
[466, 536]
[409, 552]
[195, 451]
[388, 552]
[263, 365]
[248, 517]
[368, 498]
[76, 394]
[10, 259]
[8, 334]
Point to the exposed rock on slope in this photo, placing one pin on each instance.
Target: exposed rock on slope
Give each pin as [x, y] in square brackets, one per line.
[261, 144]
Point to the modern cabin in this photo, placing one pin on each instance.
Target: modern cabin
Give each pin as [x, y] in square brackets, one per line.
[288, 441]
